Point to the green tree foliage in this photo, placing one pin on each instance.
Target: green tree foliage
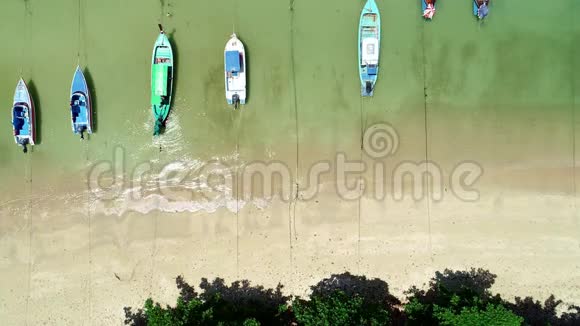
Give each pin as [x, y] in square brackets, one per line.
[492, 315]
[536, 313]
[338, 309]
[451, 298]
[219, 304]
[374, 293]
[242, 301]
[185, 313]
[251, 322]
[450, 290]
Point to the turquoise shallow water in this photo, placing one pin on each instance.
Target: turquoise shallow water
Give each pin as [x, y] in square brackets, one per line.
[302, 77]
[502, 93]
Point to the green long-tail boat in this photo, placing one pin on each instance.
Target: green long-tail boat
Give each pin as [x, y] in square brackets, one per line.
[161, 80]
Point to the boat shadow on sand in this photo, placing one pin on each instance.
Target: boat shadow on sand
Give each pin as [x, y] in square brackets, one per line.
[248, 71]
[37, 112]
[174, 76]
[174, 48]
[94, 98]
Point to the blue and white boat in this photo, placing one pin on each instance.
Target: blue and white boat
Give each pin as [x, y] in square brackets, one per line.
[369, 41]
[235, 71]
[428, 8]
[480, 8]
[80, 104]
[23, 116]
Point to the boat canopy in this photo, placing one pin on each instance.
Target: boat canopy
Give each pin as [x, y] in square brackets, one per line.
[429, 11]
[161, 73]
[370, 51]
[482, 11]
[233, 61]
[20, 121]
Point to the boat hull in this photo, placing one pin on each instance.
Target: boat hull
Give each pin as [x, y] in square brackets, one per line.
[80, 104]
[235, 73]
[424, 7]
[369, 39]
[161, 81]
[23, 116]
[476, 8]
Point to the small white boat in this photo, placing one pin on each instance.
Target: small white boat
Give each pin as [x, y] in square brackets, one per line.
[235, 71]
[23, 116]
[369, 40]
[80, 105]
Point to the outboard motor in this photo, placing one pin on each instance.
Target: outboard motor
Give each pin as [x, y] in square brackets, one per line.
[482, 11]
[80, 130]
[236, 101]
[159, 125]
[369, 87]
[23, 143]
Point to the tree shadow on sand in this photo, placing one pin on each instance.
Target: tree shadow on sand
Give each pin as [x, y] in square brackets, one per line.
[473, 287]
[536, 313]
[373, 292]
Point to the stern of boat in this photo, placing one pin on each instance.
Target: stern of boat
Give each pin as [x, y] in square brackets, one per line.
[368, 88]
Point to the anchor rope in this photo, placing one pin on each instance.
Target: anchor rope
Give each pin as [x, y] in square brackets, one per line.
[362, 130]
[86, 154]
[426, 138]
[235, 10]
[574, 117]
[28, 173]
[237, 183]
[238, 190]
[161, 19]
[28, 35]
[28, 180]
[292, 232]
[79, 34]
[90, 236]
[295, 104]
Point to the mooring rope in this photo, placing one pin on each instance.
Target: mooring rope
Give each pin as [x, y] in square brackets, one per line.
[79, 34]
[28, 180]
[235, 10]
[426, 130]
[292, 232]
[574, 140]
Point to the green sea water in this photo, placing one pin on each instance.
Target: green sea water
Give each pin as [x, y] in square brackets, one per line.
[517, 65]
[502, 92]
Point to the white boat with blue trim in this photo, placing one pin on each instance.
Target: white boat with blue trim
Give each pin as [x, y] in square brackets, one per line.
[80, 105]
[480, 8]
[369, 41]
[23, 116]
[235, 71]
